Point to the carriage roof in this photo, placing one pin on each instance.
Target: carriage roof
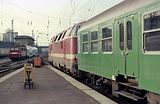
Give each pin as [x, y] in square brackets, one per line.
[125, 6]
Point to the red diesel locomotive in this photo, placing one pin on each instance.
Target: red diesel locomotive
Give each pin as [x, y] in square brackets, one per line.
[63, 50]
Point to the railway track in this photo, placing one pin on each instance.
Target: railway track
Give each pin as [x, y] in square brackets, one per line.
[8, 66]
[4, 60]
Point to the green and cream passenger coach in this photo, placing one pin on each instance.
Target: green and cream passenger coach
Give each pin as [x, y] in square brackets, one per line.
[121, 48]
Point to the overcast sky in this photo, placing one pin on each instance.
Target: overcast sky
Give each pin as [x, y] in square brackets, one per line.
[48, 16]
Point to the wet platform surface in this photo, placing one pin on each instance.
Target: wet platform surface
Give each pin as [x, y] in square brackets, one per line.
[50, 88]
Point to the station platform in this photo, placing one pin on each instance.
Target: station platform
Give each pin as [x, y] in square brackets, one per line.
[51, 87]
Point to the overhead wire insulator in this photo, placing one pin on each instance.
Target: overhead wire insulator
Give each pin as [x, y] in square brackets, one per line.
[31, 23]
[1, 23]
[48, 23]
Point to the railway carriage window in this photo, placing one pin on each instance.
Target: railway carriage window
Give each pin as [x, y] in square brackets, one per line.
[106, 32]
[129, 35]
[152, 41]
[85, 42]
[107, 39]
[94, 46]
[85, 47]
[85, 38]
[151, 35]
[94, 35]
[121, 30]
[94, 41]
[152, 21]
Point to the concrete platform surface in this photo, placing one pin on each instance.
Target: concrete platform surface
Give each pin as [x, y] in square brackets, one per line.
[87, 90]
[50, 88]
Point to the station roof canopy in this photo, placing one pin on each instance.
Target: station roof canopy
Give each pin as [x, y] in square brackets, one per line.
[24, 37]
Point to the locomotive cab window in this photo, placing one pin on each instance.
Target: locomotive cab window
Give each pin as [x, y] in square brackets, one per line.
[106, 39]
[16, 49]
[12, 49]
[151, 34]
[94, 41]
[85, 42]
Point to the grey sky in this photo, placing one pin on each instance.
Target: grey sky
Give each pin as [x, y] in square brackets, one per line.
[48, 16]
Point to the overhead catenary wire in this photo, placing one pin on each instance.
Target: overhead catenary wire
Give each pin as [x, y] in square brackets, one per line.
[35, 12]
[29, 15]
[75, 6]
[30, 22]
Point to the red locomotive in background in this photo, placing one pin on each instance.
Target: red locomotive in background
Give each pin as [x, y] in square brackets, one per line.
[19, 52]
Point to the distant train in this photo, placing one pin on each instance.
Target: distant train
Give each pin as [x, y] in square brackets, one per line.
[117, 51]
[19, 52]
[31, 51]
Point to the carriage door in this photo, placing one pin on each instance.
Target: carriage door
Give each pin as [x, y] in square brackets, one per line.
[127, 45]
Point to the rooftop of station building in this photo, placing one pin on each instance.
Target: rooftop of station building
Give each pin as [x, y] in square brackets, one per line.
[24, 37]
